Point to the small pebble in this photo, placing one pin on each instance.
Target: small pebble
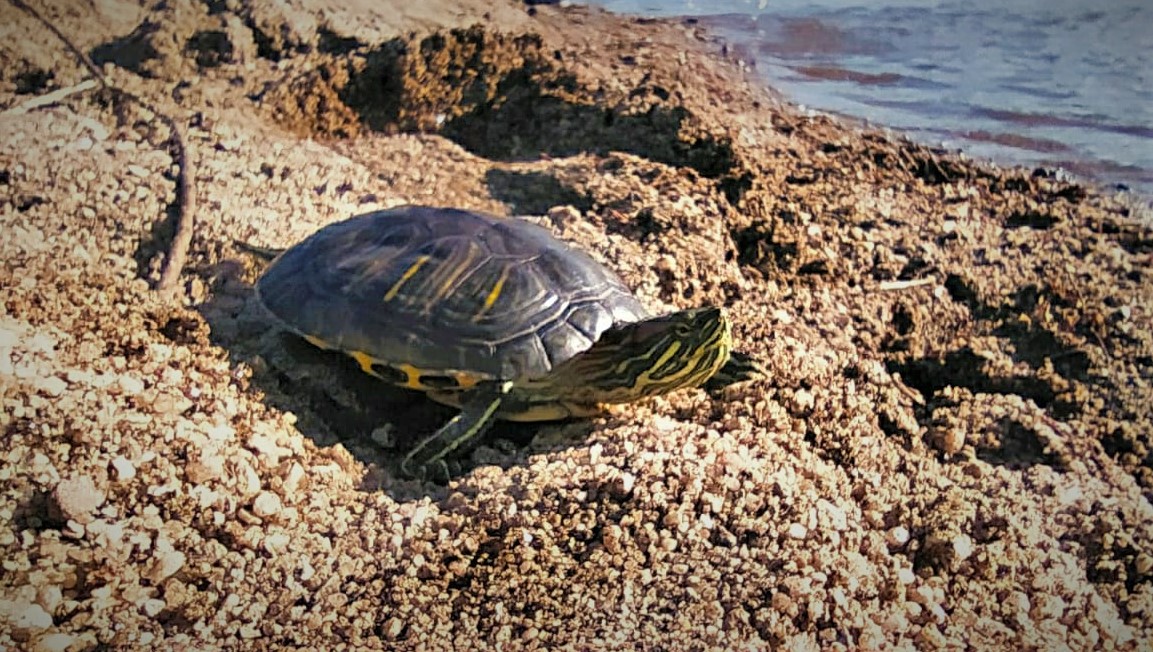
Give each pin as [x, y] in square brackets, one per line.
[266, 504]
[78, 498]
[165, 564]
[153, 606]
[52, 386]
[962, 546]
[24, 618]
[130, 385]
[124, 468]
[897, 537]
[54, 642]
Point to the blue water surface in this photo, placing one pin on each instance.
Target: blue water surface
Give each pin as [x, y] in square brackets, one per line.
[1060, 83]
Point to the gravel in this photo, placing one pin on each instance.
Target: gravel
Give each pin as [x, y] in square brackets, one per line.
[952, 449]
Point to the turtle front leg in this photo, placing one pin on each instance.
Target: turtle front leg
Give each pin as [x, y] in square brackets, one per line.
[454, 438]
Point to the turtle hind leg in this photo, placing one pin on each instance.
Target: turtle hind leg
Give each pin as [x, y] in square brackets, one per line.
[741, 367]
[430, 455]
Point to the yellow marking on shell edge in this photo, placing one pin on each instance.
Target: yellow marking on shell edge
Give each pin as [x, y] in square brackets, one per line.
[408, 273]
[317, 342]
[465, 379]
[365, 361]
[413, 374]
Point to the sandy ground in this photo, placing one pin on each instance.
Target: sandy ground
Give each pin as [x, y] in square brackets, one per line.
[953, 449]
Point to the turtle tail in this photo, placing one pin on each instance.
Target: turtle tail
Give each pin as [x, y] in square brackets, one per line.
[267, 253]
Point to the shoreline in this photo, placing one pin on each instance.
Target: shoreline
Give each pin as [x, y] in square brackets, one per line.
[952, 448]
[852, 61]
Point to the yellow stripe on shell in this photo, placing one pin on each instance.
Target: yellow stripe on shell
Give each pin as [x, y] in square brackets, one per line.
[408, 273]
[493, 295]
[444, 277]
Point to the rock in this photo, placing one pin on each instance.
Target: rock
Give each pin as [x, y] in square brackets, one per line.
[266, 504]
[153, 606]
[24, 618]
[293, 479]
[277, 542]
[962, 546]
[52, 385]
[78, 498]
[54, 642]
[897, 536]
[269, 451]
[950, 441]
[171, 403]
[124, 468]
[834, 515]
[209, 466]
[165, 564]
[130, 385]
[393, 628]
[9, 336]
[49, 597]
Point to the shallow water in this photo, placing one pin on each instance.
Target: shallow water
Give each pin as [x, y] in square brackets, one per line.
[1061, 84]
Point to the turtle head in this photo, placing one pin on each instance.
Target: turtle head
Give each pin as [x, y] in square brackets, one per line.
[657, 355]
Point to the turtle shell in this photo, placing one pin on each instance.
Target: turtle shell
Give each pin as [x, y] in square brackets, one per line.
[440, 298]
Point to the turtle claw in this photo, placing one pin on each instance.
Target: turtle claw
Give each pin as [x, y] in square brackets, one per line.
[454, 438]
[437, 472]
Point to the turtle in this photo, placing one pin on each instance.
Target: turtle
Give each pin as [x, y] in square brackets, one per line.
[492, 315]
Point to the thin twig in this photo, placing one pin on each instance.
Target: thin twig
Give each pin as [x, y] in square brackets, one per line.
[185, 192]
[902, 285]
[186, 200]
[51, 98]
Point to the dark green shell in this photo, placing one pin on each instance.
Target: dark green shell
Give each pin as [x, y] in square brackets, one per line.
[436, 297]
